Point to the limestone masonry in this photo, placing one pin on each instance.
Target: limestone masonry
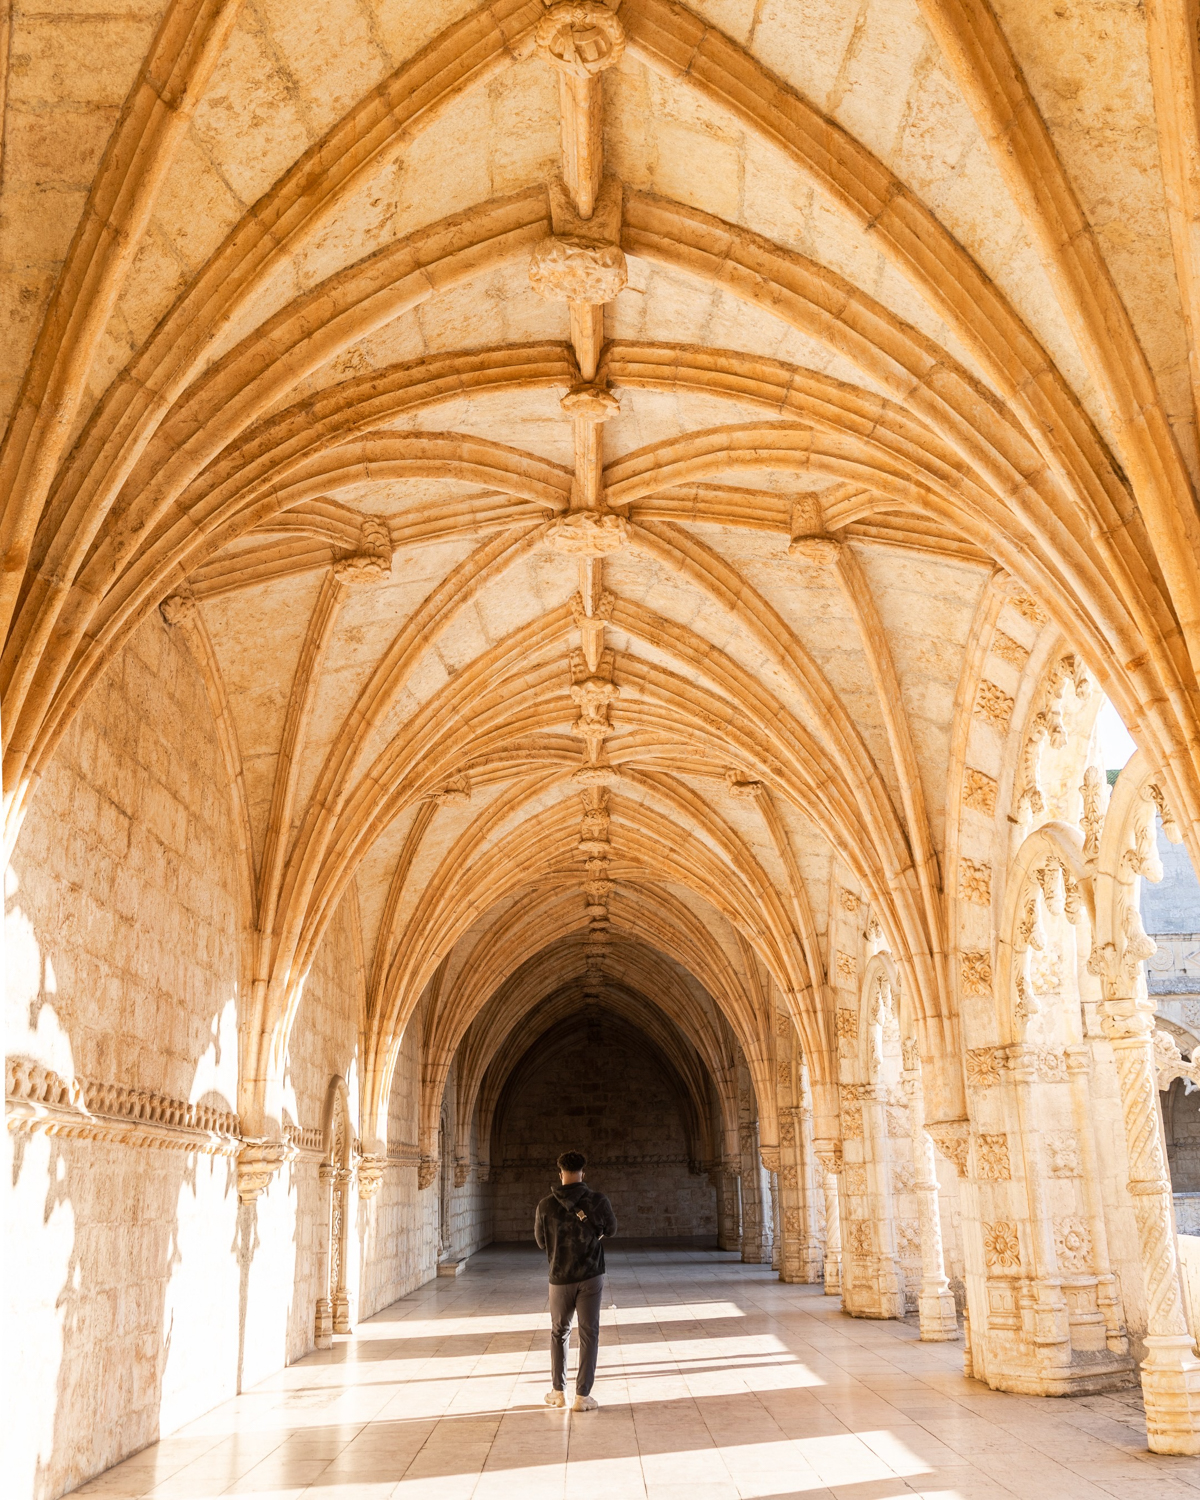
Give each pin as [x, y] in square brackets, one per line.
[607, 574]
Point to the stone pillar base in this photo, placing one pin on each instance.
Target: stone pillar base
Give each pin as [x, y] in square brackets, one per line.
[833, 1276]
[324, 1324]
[1171, 1387]
[939, 1321]
[341, 1314]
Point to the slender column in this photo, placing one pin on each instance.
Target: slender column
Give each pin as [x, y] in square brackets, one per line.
[1108, 1300]
[337, 1252]
[324, 1317]
[1043, 1305]
[935, 1302]
[724, 1178]
[1170, 1371]
[800, 1249]
[829, 1158]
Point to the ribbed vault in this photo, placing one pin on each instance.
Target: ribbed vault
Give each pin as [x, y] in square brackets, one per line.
[588, 464]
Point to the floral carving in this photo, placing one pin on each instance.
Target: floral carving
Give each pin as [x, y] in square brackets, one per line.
[975, 973]
[1027, 607]
[983, 1066]
[993, 705]
[860, 1238]
[991, 1158]
[975, 882]
[847, 966]
[1009, 650]
[904, 1179]
[1001, 1248]
[852, 1122]
[848, 900]
[846, 1024]
[1073, 1244]
[854, 1179]
[897, 1122]
[979, 791]
[908, 1238]
[952, 1139]
[1062, 1149]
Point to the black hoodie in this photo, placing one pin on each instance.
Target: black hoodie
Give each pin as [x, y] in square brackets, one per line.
[572, 1244]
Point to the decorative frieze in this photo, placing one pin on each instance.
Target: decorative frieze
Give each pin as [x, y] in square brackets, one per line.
[38, 1099]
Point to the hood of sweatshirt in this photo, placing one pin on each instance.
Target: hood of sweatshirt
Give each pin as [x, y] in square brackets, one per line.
[570, 1194]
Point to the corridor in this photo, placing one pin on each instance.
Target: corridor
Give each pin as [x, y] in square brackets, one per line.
[717, 1382]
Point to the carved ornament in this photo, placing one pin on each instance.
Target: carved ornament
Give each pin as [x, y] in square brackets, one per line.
[580, 37]
[371, 1168]
[569, 268]
[587, 533]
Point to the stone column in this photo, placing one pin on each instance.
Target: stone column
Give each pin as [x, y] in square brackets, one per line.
[829, 1159]
[724, 1177]
[752, 1205]
[323, 1332]
[800, 1248]
[1108, 1300]
[935, 1302]
[337, 1252]
[1170, 1371]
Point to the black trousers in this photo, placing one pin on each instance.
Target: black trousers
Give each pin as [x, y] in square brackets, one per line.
[582, 1298]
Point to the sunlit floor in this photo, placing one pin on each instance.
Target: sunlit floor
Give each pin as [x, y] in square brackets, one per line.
[716, 1382]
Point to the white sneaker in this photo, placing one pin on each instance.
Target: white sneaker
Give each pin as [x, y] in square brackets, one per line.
[555, 1398]
[585, 1403]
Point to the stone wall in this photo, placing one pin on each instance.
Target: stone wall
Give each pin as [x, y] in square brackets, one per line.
[608, 1097]
[121, 937]
[140, 1293]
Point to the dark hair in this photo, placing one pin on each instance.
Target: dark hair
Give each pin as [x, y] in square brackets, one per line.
[572, 1161]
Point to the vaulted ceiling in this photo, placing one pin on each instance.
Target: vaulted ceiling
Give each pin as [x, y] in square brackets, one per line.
[579, 443]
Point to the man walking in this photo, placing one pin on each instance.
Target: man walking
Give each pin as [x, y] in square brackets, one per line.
[570, 1224]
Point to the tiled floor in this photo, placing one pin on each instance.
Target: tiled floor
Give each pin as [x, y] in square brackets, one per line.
[716, 1383]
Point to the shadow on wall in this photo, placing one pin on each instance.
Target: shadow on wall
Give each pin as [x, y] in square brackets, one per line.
[121, 927]
[601, 1087]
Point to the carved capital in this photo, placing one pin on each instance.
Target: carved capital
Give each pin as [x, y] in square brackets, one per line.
[570, 268]
[370, 1174]
[427, 1169]
[580, 37]
[952, 1139]
[769, 1156]
[257, 1163]
[462, 1173]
